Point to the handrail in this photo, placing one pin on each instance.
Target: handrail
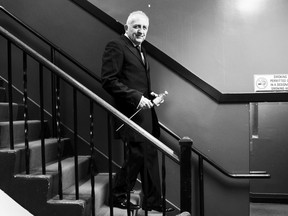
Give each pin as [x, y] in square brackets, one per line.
[49, 65]
[252, 174]
[42, 38]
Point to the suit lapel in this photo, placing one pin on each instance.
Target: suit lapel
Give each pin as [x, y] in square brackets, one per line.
[131, 47]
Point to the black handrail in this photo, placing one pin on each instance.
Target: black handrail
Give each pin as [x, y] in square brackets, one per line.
[161, 146]
[60, 74]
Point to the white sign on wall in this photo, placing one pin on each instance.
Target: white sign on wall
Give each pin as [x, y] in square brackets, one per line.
[270, 82]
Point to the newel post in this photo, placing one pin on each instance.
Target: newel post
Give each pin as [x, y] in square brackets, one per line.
[185, 174]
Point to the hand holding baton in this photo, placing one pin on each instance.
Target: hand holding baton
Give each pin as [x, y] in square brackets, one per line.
[156, 102]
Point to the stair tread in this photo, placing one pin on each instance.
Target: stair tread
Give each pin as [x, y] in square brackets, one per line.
[66, 163]
[36, 143]
[32, 144]
[7, 104]
[105, 211]
[66, 200]
[19, 122]
[85, 186]
[52, 167]
[101, 182]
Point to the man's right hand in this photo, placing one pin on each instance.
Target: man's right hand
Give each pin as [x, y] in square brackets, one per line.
[145, 103]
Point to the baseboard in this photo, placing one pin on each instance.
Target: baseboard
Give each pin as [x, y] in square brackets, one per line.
[269, 198]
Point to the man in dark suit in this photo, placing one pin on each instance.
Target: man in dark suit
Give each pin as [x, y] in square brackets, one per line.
[126, 76]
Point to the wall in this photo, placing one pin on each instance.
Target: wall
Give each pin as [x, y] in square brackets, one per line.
[220, 131]
[224, 42]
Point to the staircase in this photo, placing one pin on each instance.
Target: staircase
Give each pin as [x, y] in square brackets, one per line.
[54, 192]
[36, 192]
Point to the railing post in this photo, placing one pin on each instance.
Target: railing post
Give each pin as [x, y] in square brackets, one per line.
[92, 159]
[25, 100]
[110, 163]
[10, 97]
[42, 119]
[53, 96]
[185, 174]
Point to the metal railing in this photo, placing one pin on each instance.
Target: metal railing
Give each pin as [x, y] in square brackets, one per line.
[202, 157]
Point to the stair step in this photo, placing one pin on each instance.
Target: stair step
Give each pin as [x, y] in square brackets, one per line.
[34, 129]
[49, 186]
[101, 188]
[4, 111]
[67, 207]
[3, 97]
[68, 172]
[101, 194]
[1, 82]
[51, 148]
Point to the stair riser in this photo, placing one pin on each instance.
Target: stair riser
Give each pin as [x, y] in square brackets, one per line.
[68, 177]
[51, 154]
[7, 162]
[3, 97]
[27, 188]
[34, 130]
[72, 208]
[43, 187]
[1, 82]
[4, 112]
[18, 112]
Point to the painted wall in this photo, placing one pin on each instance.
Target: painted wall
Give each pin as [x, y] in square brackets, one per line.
[224, 42]
[220, 131]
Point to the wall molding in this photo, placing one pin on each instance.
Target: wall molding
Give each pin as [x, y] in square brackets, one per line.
[269, 198]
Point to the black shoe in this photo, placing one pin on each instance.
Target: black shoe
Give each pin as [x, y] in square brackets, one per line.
[123, 204]
[158, 209]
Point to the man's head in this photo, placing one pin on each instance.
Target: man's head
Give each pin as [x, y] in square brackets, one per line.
[136, 27]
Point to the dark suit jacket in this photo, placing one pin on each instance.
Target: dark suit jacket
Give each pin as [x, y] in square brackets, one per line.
[127, 78]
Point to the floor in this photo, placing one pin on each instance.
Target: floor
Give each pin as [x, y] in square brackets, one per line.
[267, 209]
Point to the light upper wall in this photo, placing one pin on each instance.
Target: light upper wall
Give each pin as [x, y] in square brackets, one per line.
[224, 42]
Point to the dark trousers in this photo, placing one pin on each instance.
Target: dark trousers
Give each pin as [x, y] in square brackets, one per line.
[126, 178]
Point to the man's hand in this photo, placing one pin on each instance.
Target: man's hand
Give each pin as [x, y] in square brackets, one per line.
[145, 103]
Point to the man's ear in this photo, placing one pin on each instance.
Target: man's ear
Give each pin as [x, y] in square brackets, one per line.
[125, 27]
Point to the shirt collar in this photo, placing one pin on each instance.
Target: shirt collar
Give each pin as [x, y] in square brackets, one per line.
[132, 41]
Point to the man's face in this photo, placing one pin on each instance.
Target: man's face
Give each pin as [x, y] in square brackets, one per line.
[137, 29]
